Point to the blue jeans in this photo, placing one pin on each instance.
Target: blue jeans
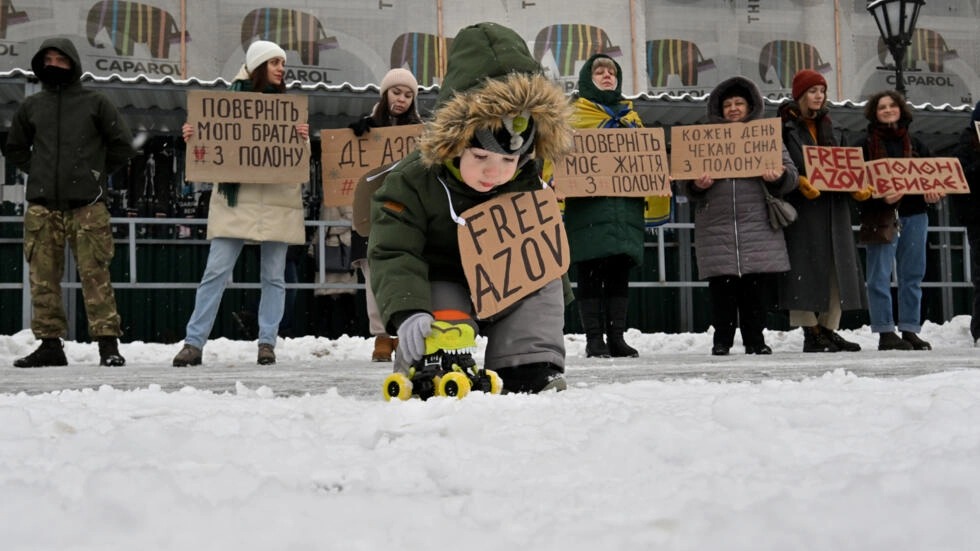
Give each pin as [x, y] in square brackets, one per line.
[908, 253]
[221, 262]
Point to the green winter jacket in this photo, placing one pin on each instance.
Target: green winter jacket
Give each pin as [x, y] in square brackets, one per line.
[413, 233]
[413, 214]
[68, 139]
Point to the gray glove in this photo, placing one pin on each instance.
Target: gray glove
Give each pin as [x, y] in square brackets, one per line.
[411, 336]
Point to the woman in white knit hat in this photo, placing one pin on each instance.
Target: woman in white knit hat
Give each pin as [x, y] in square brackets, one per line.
[396, 107]
[270, 215]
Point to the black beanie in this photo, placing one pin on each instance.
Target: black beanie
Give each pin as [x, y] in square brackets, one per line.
[514, 137]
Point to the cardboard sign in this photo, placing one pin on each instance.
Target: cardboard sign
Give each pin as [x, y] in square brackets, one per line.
[366, 186]
[346, 158]
[917, 176]
[511, 246]
[627, 162]
[832, 168]
[246, 137]
[728, 150]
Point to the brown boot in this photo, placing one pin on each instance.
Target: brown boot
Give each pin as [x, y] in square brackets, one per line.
[188, 355]
[267, 354]
[383, 347]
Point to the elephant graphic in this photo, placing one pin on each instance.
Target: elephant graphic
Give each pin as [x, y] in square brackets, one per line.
[672, 56]
[131, 23]
[787, 57]
[570, 43]
[291, 29]
[9, 15]
[423, 54]
[928, 46]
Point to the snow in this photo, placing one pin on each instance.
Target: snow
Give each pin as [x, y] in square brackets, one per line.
[674, 450]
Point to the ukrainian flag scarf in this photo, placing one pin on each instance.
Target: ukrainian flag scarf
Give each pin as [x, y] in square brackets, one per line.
[589, 114]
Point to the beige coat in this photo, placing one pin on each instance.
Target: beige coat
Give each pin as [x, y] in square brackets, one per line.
[265, 212]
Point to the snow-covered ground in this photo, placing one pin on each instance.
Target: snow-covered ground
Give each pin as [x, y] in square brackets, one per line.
[675, 450]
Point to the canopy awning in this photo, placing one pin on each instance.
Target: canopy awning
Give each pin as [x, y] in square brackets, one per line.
[158, 106]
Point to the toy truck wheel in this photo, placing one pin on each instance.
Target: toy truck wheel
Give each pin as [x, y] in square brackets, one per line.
[397, 385]
[455, 385]
[496, 383]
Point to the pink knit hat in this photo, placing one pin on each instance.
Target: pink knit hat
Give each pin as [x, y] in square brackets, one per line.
[399, 77]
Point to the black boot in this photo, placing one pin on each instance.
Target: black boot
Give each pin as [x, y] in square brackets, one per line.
[616, 314]
[50, 353]
[814, 340]
[109, 352]
[533, 378]
[593, 323]
[839, 342]
[915, 341]
[891, 341]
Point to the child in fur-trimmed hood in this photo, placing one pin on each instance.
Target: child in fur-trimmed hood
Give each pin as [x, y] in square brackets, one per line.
[497, 119]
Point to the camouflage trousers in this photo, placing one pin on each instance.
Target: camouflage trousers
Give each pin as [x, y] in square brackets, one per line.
[87, 232]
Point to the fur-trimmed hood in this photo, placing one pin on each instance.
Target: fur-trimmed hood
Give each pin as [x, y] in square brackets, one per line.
[739, 86]
[491, 75]
[458, 119]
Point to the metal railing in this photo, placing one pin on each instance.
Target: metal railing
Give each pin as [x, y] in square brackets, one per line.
[681, 245]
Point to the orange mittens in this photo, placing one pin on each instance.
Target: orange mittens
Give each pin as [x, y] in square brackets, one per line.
[807, 190]
[862, 194]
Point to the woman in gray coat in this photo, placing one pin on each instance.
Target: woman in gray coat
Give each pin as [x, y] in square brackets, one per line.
[737, 251]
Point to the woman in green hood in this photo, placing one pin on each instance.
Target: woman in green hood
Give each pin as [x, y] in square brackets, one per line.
[605, 233]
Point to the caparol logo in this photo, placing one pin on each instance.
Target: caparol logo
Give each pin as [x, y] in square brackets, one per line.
[127, 24]
[292, 30]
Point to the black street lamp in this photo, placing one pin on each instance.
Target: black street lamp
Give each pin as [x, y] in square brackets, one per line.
[896, 23]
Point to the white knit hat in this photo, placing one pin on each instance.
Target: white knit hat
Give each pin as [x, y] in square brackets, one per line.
[399, 77]
[261, 51]
[258, 53]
